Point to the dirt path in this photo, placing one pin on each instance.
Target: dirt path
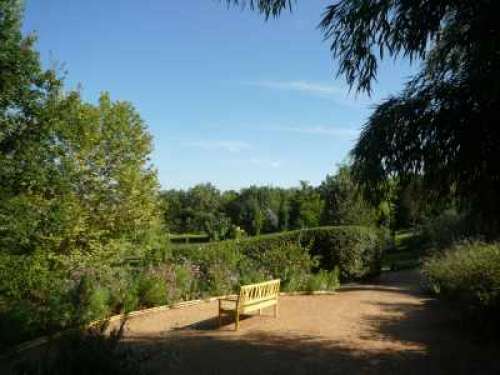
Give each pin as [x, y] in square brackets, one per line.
[384, 328]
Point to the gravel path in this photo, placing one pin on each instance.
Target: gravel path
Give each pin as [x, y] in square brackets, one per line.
[387, 327]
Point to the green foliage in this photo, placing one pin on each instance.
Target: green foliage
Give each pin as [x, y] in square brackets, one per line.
[288, 261]
[412, 207]
[188, 238]
[45, 292]
[444, 230]
[323, 280]
[152, 290]
[93, 300]
[165, 283]
[260, 209]
[270, 8]
[33, 296]
[23, 83]
[86, 352]
[75, 176]
[224, 266]
[93, 184]
[356, 251]
[344, 201]
[406, 253]
[468, 274]
[216, 266]
[441, 128]
[197, 210]
[305, 207]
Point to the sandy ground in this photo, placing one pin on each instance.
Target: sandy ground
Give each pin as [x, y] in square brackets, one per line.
[388, 327]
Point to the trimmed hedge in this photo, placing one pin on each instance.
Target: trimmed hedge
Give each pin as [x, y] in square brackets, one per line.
[44, 293]
[355, 250]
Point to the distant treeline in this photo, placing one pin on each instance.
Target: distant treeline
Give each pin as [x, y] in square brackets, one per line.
[338, 200]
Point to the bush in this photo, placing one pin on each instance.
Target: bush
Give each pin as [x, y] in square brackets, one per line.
[287, 261]
[446, 229]
[93, 300]
[351, 253]
[323, 280]
[356, 251]
[152, 290]
[43, 293]
[468, 274]
[86, 352]
[216, 266]
[35, 297]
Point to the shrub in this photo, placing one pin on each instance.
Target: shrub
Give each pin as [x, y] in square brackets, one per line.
[152, 290]
[287, 261]
[356, 251]
[184, 286]
[323, 280]
[43, 293]
[215, 265]
[468, 274]
[446, 229]
[87, 352]
[93, 300]
[35, 297]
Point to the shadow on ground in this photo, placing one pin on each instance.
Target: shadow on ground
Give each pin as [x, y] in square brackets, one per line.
[199, 349]
[439, 347]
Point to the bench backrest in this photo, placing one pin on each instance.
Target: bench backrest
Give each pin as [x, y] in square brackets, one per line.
[259, 292]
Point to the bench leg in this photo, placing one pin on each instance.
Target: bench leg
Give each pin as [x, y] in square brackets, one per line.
[220, 318]
[276, 310]
[260, 311]
[237, 320]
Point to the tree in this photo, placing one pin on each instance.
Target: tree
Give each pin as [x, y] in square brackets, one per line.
[73, 176]
[172, 206]
[83, 181]
[305, 207]
[443, 126]
[344, 201]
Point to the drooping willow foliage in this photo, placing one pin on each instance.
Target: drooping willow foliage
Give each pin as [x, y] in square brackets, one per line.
[443, 127]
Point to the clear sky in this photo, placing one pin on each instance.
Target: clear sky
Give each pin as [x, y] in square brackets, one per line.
[229, 98]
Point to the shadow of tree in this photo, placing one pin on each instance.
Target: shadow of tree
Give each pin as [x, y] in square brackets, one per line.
[411, 338]
[439, 348]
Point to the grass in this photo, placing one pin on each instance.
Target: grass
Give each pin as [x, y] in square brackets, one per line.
[406, 254]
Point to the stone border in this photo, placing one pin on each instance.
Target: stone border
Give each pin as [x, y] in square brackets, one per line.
[134, 314]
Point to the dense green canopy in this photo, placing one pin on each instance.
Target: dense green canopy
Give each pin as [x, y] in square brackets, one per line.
[73, 175]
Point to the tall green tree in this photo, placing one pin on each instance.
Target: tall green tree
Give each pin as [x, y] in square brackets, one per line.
[306, 206]
[82, 182]
[344, 201]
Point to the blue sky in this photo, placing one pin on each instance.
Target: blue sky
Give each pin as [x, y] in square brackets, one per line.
[229, 98]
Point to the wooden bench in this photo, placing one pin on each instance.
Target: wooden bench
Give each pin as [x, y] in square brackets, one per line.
[252, 297]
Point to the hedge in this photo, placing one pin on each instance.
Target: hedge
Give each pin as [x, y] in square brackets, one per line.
[355, 250]
[42, 293]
